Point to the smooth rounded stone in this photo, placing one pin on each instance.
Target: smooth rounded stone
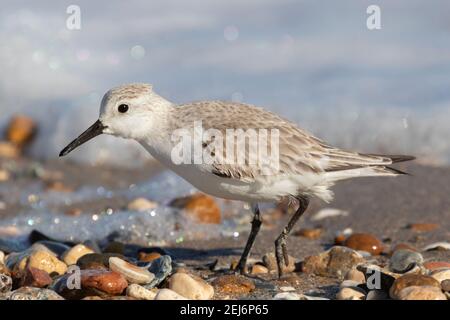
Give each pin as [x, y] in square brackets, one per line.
[441, 274]
[443, 246]
[353, 293]
[436, 265]
[43, 260]
[201, 207]
[2, 257]
[349, 284]
[191, 287]
[335, 262]
[167, 294]
[445, 285]
[30, 293]
[404, 260]
[355, 275]
[423, 227]
[132, 273]
[309, 233]
[287, 296]
[110, 282]
[421, 293]
[5, 283]
[33, 277]
[56, 248]
[287, 289]
[72, 255]
[148, 257]
[96, 260]
[371, 273]
[139, 292]
[409, 280]
[364, 242]
[233, 284]
[161, 269]
[270, 261]
[259, 269]
[377, 295]
[401, 246]
[141, 204]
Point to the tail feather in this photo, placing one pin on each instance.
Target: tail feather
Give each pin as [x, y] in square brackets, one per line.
[395, 158]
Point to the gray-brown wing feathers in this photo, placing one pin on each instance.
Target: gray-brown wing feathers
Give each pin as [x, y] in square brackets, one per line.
[299, 152]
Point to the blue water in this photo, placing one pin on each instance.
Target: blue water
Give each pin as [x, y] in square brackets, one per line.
[314, 62]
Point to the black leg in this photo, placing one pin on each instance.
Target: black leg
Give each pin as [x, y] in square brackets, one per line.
[256, 224]
[280, 244]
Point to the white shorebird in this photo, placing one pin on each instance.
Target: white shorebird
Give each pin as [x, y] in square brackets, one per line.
[307, 166]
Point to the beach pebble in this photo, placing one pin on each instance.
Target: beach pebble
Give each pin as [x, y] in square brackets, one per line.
[423, 227]
[335, 262]
[436, 265]
[233, 284]
[377, 295]
[5, 283]
[409, 280]
[441, 274]
[8, 150]
[139, 292]
[311, 233]
[30, 293]
[73, 254]
[349, 284]
[259, 269]
[437, 246]
[2, 257]
[376, 275]
[187, 286]
[287, 296]
[33, 277]
[446, 285]
[141, 204]
[421, 293]
[46, 261]
[287, 289]
[148, 257]
[20, 130]
[132, 273]
[167, 294]
[404, 260]
[161, 269]
[110, 282]
[364, 242]
[401, 246]
[328, 213]
[351, 293]
[355, 275]
[201, 207]
[269, 260]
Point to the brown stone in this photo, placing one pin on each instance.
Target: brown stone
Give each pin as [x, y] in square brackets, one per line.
[270, 261]
[409, 280]
[402, 246]
[435, 265]
[335, 262]
[233, 284]
[421, 293]
[8, 150]
[200, 207]
[311, 233]
[365, 242]
[20, 130]
[339, 239]
[148, 257]
[110, 282]
[33, 277]
[259, 269]
[445, 285]
[423, 227]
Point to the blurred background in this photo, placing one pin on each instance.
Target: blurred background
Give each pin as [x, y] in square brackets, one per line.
[314, 62]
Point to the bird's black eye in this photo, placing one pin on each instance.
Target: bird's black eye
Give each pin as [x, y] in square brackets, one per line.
[123, 108]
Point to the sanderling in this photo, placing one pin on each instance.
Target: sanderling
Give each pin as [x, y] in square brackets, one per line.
[305, 166]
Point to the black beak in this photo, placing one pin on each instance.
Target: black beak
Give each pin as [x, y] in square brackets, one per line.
[93, 131]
